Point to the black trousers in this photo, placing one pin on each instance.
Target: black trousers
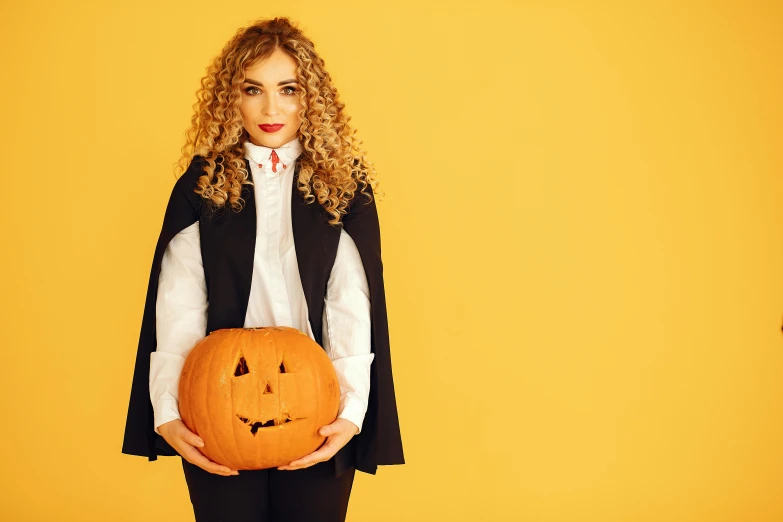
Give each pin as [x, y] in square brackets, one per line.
[310, 494]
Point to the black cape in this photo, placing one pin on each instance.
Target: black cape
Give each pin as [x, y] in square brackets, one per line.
[227, 248]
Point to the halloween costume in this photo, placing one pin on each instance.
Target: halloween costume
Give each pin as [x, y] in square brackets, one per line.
[227, 246]
[276, 294]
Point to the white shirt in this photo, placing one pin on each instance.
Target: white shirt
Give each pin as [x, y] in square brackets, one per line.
[276, 294]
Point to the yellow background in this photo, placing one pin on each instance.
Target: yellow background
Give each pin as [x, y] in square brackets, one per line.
[581, 236]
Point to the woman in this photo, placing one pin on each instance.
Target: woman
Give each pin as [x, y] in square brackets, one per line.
[271, 223]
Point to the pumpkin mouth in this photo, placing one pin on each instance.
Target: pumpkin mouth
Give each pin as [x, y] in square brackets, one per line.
[271, 423]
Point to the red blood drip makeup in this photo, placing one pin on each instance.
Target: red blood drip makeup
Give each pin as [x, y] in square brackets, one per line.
[275, 161]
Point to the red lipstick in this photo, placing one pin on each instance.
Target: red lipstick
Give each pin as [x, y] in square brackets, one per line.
[271, 128]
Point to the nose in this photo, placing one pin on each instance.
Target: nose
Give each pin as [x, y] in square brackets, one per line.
[270, 107]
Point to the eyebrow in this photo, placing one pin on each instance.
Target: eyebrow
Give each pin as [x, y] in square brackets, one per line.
[284, 82]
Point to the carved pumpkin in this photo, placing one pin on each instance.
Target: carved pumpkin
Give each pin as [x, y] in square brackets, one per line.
[258, 396]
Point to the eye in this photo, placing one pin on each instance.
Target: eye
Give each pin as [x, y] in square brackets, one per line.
[241, 368]
[287, 90]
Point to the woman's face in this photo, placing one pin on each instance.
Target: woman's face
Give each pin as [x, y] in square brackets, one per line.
[270, 96]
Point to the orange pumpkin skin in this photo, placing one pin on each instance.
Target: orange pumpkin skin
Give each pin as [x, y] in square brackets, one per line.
[258, 396]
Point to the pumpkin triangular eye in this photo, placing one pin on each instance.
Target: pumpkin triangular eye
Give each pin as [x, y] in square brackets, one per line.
[282, 367]
[241, 367]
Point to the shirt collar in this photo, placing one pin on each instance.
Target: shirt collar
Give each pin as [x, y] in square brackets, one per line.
[263, 158]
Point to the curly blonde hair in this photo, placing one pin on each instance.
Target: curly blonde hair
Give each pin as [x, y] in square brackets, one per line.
[331, 166]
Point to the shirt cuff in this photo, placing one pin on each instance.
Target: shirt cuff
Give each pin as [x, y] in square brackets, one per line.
[165, 411]
[352, 408]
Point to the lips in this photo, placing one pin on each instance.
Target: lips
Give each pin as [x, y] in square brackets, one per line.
[271, 128]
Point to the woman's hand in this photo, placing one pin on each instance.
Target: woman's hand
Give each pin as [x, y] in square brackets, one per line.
[337, 434]
[185, 442]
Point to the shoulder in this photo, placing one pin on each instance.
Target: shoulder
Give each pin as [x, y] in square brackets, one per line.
[191, 175]
[362, 202]
[361, 219]
[187, 183]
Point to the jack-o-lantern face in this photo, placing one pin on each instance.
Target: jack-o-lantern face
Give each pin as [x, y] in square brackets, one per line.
[270, 409]
[257, 396]
[260, 392]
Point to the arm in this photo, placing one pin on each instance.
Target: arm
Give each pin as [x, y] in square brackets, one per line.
[380, 442]
[347, 324]
[181, 320]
